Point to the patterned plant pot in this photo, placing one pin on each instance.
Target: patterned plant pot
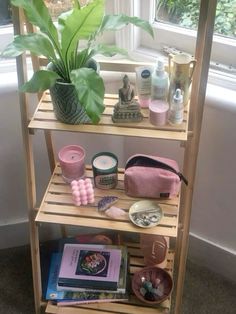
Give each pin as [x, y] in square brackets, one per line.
[66, 105]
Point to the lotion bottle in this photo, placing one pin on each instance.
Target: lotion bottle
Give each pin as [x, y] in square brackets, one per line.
[176, 113]
[160, 81]
[143, 83]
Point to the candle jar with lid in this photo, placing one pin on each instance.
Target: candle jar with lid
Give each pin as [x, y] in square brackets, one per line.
[105, 167]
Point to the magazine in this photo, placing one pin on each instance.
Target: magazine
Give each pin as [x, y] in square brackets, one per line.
[70, 297]
[89, 266]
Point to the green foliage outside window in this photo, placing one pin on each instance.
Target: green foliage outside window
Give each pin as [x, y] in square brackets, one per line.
[185, 13]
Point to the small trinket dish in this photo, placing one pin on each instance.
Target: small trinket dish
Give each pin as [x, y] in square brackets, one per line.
[145, 214]
[152, 285]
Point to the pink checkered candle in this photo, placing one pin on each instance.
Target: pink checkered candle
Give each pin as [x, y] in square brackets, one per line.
[82, 192]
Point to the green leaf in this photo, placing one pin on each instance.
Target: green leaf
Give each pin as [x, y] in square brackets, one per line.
[76, 4]
[107, 51]
[116, 22]
[90, 88]
[80, 24]
[82, 58]
[38, 14]
[40, 81]
[62, 19]
[36, 43]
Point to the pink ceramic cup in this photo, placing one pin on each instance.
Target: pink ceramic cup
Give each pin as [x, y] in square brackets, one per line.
[72, 164]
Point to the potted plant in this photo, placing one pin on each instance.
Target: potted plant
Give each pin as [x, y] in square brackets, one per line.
[71, 69]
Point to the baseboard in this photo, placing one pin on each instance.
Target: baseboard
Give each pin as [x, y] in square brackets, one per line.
[215, 257]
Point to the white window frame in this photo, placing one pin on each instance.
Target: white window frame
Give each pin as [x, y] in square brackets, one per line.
[142, 47]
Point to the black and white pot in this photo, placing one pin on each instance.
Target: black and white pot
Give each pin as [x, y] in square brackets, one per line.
[66, 105]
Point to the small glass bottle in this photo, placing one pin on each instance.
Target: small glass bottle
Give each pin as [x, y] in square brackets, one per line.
[176, 113]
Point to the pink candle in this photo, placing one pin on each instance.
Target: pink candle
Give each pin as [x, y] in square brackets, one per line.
[71, 159]
[158, 112]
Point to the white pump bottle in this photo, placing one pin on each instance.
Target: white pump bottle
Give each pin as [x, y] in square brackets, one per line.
[160, 81]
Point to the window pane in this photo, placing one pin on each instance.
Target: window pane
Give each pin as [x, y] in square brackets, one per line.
[5, 12]
[185, 13]
[56, 7]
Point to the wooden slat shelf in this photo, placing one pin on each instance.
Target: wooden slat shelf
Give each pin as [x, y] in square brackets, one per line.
[44, 118]
[57, 207]
[133, 306]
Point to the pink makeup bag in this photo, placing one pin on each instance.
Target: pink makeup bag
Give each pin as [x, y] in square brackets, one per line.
[152, 177]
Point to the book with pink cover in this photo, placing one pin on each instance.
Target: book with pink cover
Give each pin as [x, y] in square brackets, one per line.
[89, 266]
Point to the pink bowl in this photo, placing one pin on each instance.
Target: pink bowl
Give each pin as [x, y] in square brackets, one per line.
[158, 277]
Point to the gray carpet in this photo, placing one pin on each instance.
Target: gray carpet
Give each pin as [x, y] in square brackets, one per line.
[204, 293]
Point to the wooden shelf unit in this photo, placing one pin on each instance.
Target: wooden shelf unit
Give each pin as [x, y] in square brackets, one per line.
[57, 207]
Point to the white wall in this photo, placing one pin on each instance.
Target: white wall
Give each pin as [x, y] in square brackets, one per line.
[213, 214]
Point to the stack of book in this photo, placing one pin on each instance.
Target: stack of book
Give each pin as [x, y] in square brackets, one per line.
[88, 273]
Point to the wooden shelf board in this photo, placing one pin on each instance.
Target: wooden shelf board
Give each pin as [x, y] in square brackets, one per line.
[44, 118]
[133, 306]
[99, 308]
[58, 207]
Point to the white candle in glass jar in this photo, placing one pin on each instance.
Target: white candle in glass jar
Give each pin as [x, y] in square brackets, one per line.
[105, 170]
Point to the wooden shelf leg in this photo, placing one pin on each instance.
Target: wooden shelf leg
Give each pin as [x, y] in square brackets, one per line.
[202, 55]
[35, 258]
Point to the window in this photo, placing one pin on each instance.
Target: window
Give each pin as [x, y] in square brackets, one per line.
[185, 14]
[182, 38]
[56, 7]
[5, 12]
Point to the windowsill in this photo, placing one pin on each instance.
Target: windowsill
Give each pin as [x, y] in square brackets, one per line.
[6, 29]
[6, 35]
[225, 79]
